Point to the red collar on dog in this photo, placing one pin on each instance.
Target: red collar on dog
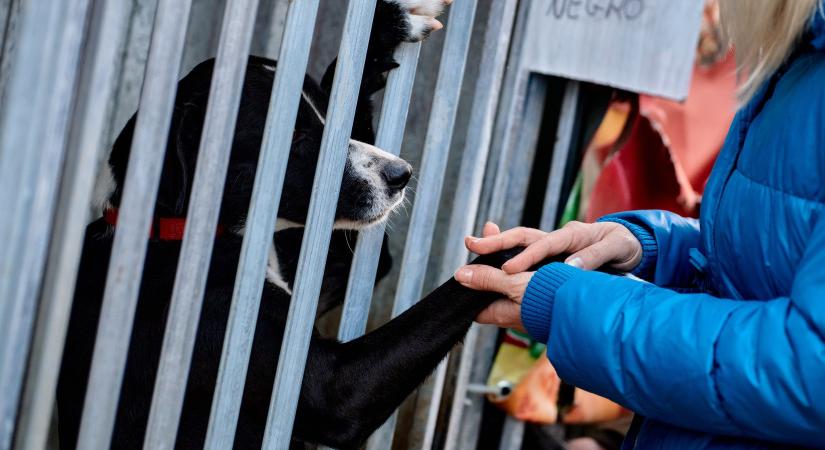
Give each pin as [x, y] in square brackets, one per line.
[163, 228]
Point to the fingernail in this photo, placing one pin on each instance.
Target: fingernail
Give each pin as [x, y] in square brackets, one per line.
[474, 239]
[464, 275]
[575, 262]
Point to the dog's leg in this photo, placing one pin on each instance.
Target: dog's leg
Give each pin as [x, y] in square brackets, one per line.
[352, 388]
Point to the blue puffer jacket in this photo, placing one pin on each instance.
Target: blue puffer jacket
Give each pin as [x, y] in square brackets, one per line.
[741, 362]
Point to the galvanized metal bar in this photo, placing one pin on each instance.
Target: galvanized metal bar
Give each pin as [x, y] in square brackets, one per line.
[320, 219]
[269, 27]
[40, 91]
[391, 127]
[260, 223]
[202, 219]
[496, 185]
[382, 438]
[512, 435]
[565, 137]
[508, 118]
[433, 165]
[436, 150]
[499, 28]
[9, 15]
[84, 150]
[135, 215]
[465, 414]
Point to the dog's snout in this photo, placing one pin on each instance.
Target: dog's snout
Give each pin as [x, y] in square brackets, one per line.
[396, 174]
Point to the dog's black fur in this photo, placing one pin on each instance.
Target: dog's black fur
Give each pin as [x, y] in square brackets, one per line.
[349, 389]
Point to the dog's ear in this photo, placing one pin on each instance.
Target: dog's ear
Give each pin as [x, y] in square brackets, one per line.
[181, 147]
[184, 140]
[181, 157]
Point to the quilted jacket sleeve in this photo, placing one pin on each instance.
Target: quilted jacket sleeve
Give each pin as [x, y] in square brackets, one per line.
[666, 240]
[745, 368]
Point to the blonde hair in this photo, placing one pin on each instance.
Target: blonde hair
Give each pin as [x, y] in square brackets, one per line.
[764, 34]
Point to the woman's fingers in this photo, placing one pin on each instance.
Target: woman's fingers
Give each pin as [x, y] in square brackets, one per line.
[502, 313]
[490, 229]
[483, 278]
[515, 237]
[559, 241]
[594, 256]
[618, 248]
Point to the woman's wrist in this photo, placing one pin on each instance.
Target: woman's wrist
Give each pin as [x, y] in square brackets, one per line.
[540, 296]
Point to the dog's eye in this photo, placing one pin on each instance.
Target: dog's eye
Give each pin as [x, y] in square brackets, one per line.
[298, 136]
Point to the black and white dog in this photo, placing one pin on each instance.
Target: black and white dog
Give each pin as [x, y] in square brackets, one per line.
[349, 389]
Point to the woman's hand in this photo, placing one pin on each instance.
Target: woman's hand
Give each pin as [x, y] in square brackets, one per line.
[591, 245]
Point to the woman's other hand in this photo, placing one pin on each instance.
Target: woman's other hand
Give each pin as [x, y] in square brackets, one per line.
[505, 313]
[591, 245]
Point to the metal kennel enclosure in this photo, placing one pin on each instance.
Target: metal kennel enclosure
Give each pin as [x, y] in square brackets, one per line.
[58, 71]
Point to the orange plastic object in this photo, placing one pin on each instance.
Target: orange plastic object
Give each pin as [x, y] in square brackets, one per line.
[535, 397]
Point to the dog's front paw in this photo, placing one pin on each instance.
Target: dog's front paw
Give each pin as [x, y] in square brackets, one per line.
[421, 17]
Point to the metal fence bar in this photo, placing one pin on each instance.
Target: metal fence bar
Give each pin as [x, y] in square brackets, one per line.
[136, 209]
[466, 409]
[84, 150]
[511, 108]
[260, 224]
[499, 28]
[475, 365]
[9, 15]
[565, 136]
[504, 161]
[361, 281]
[512, 435]
[320, 219]
[202, 220]
[33, 133]
[391, 126]
[433, 166]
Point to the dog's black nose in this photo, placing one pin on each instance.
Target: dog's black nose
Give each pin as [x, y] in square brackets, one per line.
[397, 174]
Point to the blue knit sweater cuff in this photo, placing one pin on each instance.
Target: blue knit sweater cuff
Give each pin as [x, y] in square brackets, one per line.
[537, 304]
[646, 269]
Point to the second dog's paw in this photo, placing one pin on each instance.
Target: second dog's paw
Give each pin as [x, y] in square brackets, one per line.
[421, 16]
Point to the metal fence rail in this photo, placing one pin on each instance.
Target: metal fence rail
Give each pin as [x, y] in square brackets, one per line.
[40, 91]
[135, 215]
[260, 223]
[474, 160]
[320, 218]
[84, 150]
[368, 248]
[63, 76]
[431, 175]
[202, 220]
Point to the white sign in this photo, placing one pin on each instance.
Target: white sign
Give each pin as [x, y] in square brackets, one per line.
[645, 46]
